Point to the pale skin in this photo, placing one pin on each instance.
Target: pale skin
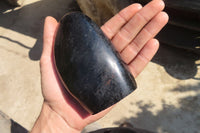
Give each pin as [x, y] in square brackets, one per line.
[132, 33]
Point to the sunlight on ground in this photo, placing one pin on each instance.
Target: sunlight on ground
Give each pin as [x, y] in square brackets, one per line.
[198, 67]
[27, 41]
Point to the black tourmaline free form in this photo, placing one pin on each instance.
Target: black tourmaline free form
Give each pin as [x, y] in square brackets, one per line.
[87, 64]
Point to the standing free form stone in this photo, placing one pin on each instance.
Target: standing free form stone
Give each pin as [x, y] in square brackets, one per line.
[88, 66]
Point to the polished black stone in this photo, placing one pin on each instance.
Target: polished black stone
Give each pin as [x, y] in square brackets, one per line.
[88, 65]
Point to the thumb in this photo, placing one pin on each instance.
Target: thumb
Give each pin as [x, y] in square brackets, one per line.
[48, 37]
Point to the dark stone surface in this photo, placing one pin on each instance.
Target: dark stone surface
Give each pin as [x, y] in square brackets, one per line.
[88, 64]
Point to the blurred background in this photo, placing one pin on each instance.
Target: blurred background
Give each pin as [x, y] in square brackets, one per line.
[168, 96]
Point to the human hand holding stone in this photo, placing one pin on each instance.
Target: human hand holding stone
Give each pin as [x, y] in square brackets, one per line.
[131, 32]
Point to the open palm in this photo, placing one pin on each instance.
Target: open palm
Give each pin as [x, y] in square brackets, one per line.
[132, 33]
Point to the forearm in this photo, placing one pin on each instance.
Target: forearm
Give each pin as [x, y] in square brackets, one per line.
[50, 122]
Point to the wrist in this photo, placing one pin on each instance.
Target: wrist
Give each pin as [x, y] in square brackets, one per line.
[50, 122]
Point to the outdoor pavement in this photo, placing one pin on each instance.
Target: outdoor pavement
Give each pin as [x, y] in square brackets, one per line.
[167, 99]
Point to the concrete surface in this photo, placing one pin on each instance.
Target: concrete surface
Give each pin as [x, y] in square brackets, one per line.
[7, 125]
[167, 99]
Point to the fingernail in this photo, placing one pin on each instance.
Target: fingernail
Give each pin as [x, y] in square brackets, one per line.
[139, 6]
[162, 3]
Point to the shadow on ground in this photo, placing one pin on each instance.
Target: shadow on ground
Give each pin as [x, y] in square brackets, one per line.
[183, 118]
[16, 128]
[179, 63]
[29, 20]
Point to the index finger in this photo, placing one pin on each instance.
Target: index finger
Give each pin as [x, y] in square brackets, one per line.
[112, 26]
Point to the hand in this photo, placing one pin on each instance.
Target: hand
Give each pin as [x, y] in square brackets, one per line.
[131, 31]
